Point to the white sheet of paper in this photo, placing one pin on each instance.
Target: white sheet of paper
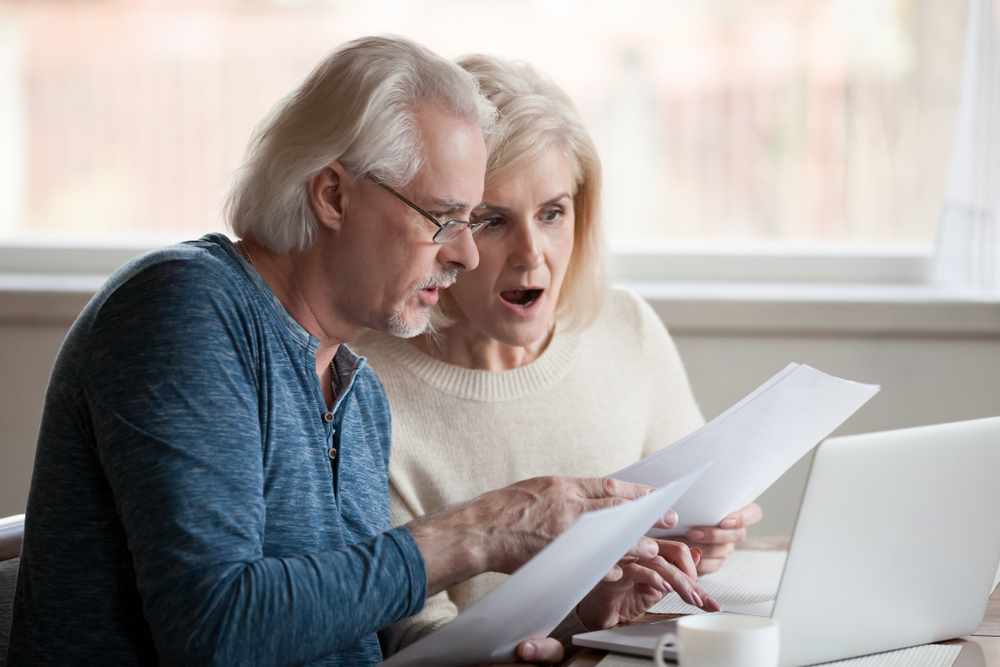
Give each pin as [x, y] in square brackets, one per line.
[546, 588]
[751, 444]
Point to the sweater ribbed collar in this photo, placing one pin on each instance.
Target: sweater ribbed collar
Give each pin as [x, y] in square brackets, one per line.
[478, 385]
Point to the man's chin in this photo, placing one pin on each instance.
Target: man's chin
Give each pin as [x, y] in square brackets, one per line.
[401, 327]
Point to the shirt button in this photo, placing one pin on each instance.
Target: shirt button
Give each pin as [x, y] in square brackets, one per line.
[332, 453]
[328, 417]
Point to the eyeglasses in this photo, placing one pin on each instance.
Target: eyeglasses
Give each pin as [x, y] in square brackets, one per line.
[446, 231]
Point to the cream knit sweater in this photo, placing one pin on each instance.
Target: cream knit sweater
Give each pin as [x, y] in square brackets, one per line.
[592, 403]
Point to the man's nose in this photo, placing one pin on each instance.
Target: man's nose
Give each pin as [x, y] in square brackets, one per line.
[460, 252]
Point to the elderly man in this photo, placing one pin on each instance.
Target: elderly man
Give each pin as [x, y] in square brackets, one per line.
[210, 478]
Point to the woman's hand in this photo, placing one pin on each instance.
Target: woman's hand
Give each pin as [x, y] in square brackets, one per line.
[634, 585]
[543, 651]
[650, 570]
[717, 543]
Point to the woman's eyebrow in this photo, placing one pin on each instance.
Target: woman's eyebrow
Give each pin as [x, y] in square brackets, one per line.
[486, 206]
[557, 198]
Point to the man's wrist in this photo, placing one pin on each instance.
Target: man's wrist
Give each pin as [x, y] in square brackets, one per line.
[452, 548]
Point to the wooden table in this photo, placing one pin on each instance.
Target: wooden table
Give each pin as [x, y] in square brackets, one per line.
[981, 649]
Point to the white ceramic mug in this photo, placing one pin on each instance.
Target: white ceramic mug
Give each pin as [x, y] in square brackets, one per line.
[722, 640]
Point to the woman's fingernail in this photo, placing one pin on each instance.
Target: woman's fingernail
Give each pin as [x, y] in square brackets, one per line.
[667, 588]
[670, 518]
[697, 551]
[697, 599]
[529, 650]
[695, 534]
[728, 523]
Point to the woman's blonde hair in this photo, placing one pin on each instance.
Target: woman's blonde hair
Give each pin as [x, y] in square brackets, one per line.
[535, 116]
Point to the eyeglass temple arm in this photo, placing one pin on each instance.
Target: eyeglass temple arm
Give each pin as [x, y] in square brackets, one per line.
[407, 202]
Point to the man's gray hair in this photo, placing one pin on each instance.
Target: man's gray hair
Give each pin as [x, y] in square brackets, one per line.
[357, 107]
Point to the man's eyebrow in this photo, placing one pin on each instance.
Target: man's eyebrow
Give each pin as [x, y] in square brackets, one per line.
[447, 204]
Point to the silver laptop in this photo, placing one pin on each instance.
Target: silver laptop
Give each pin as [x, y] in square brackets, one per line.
[897, 543]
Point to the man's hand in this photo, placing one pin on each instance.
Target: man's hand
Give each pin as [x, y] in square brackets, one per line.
[717, 543]
[499, 531]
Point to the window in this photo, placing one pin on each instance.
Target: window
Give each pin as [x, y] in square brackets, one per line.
[715, 119]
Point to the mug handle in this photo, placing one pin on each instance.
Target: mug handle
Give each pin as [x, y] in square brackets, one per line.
[669, 638]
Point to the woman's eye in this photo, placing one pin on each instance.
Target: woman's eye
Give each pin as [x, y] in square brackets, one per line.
[492, 223]
[552, 215]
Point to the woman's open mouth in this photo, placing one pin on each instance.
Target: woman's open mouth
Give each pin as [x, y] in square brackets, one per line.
[521, 299]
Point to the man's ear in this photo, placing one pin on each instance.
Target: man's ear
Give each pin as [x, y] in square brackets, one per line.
[326, 194]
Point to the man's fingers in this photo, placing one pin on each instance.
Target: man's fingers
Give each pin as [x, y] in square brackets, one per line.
[606, 487]
[747, 516]
[712, 535]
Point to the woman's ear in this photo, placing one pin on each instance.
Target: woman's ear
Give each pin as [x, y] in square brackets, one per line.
[326, 195]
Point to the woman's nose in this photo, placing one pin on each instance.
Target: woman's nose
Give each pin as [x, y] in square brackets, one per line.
[525, 253]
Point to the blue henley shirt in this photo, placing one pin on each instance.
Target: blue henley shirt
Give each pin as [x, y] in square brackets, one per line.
[193, 502]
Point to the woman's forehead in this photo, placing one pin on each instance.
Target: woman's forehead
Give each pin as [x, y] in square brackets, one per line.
[547, 176]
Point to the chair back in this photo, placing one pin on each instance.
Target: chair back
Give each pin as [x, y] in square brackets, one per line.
[11, 533]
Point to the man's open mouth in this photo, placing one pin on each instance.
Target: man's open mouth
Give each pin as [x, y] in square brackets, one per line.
[520, 297]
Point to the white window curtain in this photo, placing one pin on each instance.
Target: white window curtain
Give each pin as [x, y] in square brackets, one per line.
[968, 244]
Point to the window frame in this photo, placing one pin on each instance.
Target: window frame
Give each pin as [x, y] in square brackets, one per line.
[696, 288]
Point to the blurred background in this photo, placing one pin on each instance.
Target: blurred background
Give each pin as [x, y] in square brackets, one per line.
[775, 172]
[715, 119]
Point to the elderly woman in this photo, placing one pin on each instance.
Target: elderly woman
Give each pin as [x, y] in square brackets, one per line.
[536, 367]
